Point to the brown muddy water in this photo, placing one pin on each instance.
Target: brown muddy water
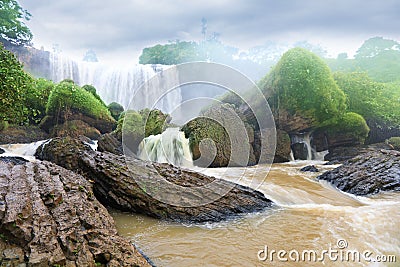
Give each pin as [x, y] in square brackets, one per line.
[313, 224]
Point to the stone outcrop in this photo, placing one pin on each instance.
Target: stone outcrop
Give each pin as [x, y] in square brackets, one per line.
[22, 134]
[341, 154]
[50, 217]
[368, 173]
[75, 128]
[109, 142]
[116, 185]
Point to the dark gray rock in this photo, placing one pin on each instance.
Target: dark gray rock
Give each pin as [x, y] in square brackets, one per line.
[14, 160]
[116, 185]
[2, 151]
[368, 173]
[309, 168]
[300, 151]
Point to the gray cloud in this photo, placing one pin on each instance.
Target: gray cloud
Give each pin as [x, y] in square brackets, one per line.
[112, 26]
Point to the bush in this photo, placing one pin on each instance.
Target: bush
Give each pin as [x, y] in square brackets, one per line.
[395, 142]
[14, 85]
[91, 89]
[37, 98]
[115, 110]
[350, 124]
[67, 98]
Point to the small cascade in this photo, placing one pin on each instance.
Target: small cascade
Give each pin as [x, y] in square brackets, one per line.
[301, 146]
[170, 146]
[26, 151]
[113, 84]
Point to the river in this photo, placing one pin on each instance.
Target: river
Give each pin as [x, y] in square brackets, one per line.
[311, 217]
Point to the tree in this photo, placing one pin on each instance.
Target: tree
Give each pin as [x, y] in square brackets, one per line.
[376, 45]
[12, 29]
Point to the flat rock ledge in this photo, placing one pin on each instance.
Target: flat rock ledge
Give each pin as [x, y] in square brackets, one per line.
[50, 217]
[116, 185]
[368, 173]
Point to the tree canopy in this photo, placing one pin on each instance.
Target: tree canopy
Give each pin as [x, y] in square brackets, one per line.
[12, 27]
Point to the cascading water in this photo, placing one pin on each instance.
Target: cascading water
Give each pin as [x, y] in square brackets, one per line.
[26, 151]
[170, 146]
[302, 149]
[113, 84]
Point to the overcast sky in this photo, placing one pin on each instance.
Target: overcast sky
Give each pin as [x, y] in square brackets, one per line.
[120, 29]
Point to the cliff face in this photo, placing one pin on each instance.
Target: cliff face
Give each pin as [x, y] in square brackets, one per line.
[35, 61]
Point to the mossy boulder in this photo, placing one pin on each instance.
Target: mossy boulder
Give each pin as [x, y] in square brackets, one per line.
[212, 145]
[68, 101]
[394, 142]
[349, 129]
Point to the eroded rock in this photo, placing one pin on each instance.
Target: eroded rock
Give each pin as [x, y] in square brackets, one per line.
[49, 216]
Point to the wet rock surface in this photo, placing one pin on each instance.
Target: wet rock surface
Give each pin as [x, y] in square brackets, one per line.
[50, 217]
[109, 142]
[22, 134]
[368, 173]
[116, 185]
[309, 168]
[341, 154]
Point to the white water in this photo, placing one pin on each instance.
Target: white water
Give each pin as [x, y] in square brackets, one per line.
[305, 138]
[311, 216]
[114, 84]
[170, 146]
[26, 151]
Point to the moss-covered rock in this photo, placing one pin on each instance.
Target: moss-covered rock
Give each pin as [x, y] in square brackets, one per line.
[347, 130]
[155, 121]
[68, 101]
[210, 142]
[394, 142]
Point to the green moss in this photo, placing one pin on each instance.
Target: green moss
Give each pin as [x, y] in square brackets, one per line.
[37, 98]
[395, 142]
[155, 121]
[68, 97]
[302, 83]
[350, 124]
[91, 89]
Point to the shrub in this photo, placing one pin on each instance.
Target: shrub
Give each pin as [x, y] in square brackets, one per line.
[350, 124]
[37, 98]
[14, 85]
[91, 89]
[115, 110]
[68, 97]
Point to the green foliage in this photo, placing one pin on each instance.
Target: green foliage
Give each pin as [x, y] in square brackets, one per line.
[170, 54]
[372, 100]
[37, 97]
[349, 124]
[12, 29]
[68, 97]
[115, 110]
[91, 89]
[14, 85]
[302, 83]
[395, 142]
[378, 57]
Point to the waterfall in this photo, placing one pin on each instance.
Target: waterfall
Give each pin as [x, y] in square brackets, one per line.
[113, 84]
[302, 150]
[170, 146]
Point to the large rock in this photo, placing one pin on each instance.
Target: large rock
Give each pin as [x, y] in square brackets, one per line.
[75, 128]
[116, 185]
[50, 217]
[368, 173]
[218, 139]
[22, 134]
[380, 131]
[282, 149]
[109, 142]
[341, 154]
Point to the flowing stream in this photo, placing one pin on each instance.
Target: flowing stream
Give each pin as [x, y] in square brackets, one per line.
[310, 216]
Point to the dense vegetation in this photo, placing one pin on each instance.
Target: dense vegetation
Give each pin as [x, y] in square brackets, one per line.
[68, 97]
[302, 83]
[12, 28]
[14, 87]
